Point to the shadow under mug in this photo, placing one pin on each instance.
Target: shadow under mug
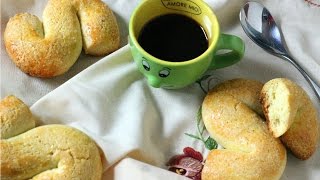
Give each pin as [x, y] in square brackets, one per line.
[174, 75]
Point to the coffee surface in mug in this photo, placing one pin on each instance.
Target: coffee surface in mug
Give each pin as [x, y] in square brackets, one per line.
[173, 37]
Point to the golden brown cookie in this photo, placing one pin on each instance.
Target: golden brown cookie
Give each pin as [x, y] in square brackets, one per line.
[45, 152]
[51, 48]
[251, 152]
[290, 114]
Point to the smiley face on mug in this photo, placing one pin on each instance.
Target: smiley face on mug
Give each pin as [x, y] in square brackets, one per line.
[156, 75]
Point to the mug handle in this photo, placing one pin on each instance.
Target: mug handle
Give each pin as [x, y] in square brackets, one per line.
[228, 42]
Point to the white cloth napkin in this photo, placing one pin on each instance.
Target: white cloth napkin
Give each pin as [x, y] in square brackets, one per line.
[112, 102]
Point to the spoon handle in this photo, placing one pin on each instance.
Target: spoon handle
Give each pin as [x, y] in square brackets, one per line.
[312, 83]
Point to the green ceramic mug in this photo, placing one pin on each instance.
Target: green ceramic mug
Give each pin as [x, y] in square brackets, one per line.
[173, 75]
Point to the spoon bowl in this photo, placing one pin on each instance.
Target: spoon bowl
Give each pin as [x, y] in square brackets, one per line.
[258, 23]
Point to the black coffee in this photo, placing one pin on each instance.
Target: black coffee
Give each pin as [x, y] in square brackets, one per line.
[173, 37]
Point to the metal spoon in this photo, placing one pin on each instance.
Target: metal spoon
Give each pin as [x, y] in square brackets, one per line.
[260, 26]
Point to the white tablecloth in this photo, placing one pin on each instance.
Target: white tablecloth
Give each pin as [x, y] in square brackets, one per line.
[107, 97]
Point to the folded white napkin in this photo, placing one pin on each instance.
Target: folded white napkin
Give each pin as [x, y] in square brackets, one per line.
[112, 102]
